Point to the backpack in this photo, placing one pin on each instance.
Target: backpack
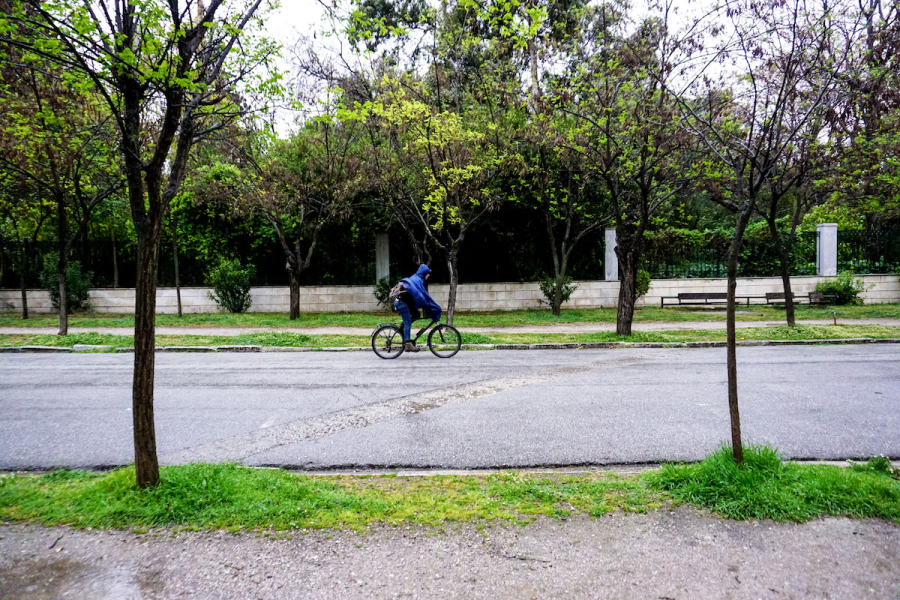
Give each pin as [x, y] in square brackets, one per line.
[395, 294]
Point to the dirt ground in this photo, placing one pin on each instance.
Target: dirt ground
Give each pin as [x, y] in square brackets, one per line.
[680, 554]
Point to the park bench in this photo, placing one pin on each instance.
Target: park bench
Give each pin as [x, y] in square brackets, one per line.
[813, 298]
[700, 298]
[778, 298]
[820, 298]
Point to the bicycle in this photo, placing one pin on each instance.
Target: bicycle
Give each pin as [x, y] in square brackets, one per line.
[444, 341]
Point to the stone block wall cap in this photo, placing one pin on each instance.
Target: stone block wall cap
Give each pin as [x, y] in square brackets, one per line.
[89, 347]
[239, 348]
[45, 349]
[185, 349]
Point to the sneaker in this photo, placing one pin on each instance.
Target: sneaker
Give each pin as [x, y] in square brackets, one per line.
[410, 347]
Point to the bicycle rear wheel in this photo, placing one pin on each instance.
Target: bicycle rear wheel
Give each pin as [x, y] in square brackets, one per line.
[444, 341]
[387, 341]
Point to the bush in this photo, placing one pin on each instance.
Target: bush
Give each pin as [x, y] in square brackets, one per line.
[549, 286]
[78, 284]
[231, 285]
[845, 288]
[382, 291]
[641, 283]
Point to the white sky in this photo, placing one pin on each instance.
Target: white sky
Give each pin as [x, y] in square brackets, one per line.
[294, 18]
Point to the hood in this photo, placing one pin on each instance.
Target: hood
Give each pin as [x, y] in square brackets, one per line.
[423, 271]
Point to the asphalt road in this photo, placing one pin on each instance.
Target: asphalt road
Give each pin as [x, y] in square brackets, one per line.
[322, 410]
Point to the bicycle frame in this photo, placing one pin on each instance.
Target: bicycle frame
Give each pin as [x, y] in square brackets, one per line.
[418, 335]
[423, 330]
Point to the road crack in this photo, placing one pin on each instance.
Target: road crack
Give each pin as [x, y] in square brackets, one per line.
[244, 445]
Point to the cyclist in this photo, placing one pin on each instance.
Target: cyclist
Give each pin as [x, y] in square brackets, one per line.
[410, 295]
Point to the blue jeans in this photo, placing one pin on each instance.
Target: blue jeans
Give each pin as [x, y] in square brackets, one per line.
[403, 309]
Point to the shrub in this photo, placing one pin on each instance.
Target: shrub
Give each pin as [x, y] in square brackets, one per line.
[549, 287]
[381, 291]
[641, 283]
[845, 288]
[78, 283]
[231, 285]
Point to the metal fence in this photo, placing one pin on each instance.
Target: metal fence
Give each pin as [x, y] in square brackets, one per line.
[115, 264]
[863, 252]
[342, 261]
[759, 258]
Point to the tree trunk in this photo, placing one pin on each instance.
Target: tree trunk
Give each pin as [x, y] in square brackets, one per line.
[145, 460]
[454, 282]
[295, 293]
[784, 254]
[628, 265]
[734, 250]
[23, 267]
[115, 262]
[788, 294]
[61, 263]
[784, 257]
[556, 301]
[175, 260]
[86, 258]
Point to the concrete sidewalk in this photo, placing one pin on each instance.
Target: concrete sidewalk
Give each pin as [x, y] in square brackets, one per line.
[681, 554]
[563, 328]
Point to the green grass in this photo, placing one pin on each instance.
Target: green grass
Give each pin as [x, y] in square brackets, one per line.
[464, 319]
[229, 496]
[767, 488]
[300, 340]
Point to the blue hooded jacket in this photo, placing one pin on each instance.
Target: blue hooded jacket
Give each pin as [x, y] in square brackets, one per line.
[415, 285]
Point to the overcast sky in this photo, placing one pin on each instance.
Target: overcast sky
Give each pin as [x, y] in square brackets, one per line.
[294, 18]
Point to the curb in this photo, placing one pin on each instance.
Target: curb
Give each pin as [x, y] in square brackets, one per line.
[561, 346]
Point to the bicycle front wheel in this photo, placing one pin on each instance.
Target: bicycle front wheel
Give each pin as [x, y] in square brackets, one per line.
[444, 341]
[387, 341]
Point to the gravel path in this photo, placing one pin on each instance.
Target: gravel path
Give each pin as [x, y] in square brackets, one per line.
[681, 554]
[561, 328]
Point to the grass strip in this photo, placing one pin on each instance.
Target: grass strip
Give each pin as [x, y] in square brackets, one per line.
[767, 488]
[462, 319]
[228, 496]
[300, 340]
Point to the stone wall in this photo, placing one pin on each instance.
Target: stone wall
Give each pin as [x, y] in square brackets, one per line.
[473, 296]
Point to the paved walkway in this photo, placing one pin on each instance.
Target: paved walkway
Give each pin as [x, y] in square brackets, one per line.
[679, 554]
[561, 328]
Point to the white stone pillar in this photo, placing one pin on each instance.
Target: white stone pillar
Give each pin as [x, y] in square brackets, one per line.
[826, 250]
[382, 256]
[611, 261]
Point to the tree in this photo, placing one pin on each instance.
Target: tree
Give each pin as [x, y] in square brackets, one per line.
[789, 179]
[23, 213]
[57, 140]
[163, 70]
[627, 129]
[297, 185]
[864, 117]
[458, 162]
[437, 116]
[779, 52]
[533, 38]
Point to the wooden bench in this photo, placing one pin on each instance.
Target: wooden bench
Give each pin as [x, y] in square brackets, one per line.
[813, 298]
[820, 298]
[778, 297]
[698, 298]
